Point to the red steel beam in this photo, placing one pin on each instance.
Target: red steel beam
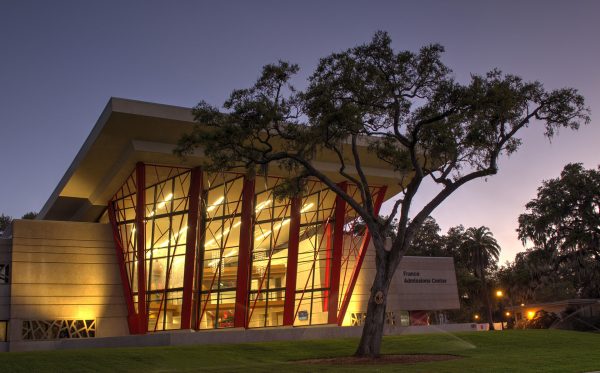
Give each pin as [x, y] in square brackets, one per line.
[140, 231]
[292, 262]
[328, 250]
[336, 256]
[131, 315]
[245, 248]
[359, 261]
[190, 247]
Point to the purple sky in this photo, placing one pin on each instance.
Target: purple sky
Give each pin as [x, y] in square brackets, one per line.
[61, 61]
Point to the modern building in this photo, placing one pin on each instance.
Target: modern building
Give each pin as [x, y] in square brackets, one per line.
[135, 240]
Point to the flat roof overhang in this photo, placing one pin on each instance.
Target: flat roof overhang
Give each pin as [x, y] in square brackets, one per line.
[130, 131]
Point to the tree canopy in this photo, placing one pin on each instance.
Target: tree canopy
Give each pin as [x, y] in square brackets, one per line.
[5, 221]
[564, 219]
[411, 112]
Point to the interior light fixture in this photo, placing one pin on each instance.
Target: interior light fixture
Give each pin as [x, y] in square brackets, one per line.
[263, 235]
[161, 205]
[175, 235]
[215, 204]
[306, 207]
[262, 205]
[164, 202]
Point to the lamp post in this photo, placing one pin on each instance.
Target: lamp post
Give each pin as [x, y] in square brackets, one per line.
[501, 295]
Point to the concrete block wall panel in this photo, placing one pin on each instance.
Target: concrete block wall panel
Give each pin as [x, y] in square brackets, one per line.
[428, 284]
[5, 258]
[64, 271]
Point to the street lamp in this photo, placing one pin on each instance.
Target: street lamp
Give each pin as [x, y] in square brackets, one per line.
[500, 295]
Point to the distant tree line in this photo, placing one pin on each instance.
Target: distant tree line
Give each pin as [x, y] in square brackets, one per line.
[562, 223]
[6, 220]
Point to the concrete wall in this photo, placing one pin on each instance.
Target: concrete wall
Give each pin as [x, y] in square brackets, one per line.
[65, 271]
[238, 335]
[420, 283]
[5, 258]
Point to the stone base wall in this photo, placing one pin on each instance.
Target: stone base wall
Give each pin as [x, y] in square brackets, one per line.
[62, 272]
[226, 336]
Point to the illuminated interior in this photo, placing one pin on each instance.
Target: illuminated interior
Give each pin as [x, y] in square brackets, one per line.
[228, 207]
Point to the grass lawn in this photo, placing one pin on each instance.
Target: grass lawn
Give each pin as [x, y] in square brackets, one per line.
[505, 351]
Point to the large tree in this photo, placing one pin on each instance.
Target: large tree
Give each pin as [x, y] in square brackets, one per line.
[564, 219]
[409, 110]
[532, 278]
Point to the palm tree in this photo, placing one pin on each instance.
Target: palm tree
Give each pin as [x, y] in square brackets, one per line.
[481, 251]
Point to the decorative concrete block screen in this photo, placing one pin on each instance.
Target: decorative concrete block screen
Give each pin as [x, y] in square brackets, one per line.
[58, 329]
[358, 318]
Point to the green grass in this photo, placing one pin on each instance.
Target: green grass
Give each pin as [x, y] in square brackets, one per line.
[506, 351]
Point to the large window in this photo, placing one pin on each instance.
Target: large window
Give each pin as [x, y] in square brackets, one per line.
[314, 255]
[219, 250]
[211, 283]
[166, 231]
[269, 256]
[123, 204]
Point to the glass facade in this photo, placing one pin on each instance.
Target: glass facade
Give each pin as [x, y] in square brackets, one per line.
[269, 256]
[220, 224]
[240, 249]
[314, 255]
[166, 213]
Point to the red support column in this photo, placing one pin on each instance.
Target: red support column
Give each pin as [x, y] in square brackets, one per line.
[328, 250]
[244, 262]
[131, 315]
[336, 256]
[359, 260]
[190, 247]
[292, 262]
[140, 231]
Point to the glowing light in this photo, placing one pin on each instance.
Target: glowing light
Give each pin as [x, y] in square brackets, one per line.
[263, 235]
[215, 204]
[262, 205]
[307, 207]
[279, 225]
[507, 313]
[164, 202]
[175, 235]
[499, 293]
[530, 314]
[522, 304]
[476, 317]
[217, 237]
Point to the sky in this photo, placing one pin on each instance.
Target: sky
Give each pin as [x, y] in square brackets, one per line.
[61, 61]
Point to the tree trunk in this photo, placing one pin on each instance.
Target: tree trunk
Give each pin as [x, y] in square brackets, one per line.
[372, 334]
[488, 303]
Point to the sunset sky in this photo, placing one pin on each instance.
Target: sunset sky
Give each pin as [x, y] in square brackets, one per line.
[61, 61]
